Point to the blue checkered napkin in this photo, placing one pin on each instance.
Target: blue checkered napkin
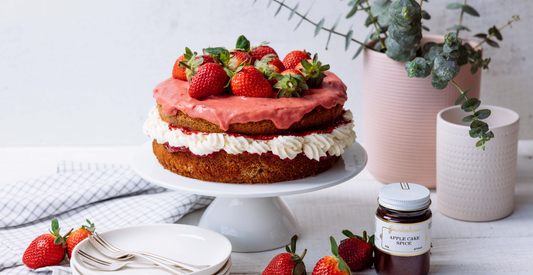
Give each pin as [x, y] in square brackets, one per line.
[111, 196]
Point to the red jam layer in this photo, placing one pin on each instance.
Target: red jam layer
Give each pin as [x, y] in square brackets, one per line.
[323, 130]
[226, 109]
[172, 149]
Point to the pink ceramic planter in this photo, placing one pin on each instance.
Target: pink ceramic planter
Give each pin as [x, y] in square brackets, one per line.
[399, 117]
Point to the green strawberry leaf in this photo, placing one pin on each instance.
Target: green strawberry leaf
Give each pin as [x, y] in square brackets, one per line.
[243, 43]
[371, 240]
[334, 247]
[55, 227]
[59, 240]
[342, 266]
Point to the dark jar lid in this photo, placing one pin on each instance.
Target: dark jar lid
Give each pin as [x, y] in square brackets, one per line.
[404, 196]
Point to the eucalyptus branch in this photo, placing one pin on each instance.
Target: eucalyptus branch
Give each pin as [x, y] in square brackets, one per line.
[515, 17]
[461, 18]
[478, 128]
[375, 26]
[303, 17]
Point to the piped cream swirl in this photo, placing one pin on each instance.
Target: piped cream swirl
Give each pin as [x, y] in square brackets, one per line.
[313, 145]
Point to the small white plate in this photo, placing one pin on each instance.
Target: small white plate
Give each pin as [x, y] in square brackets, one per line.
[147, 166]
[185, 243]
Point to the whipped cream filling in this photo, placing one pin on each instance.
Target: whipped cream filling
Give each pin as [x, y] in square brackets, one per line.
[313, 145]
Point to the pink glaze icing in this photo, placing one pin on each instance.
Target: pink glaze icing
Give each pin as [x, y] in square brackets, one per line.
[227, 109]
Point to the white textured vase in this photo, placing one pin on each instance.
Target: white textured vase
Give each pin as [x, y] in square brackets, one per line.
[472, 184]
[399, 117]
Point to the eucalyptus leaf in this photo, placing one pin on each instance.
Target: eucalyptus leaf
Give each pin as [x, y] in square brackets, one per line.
[358, 52]
[460, 99]
[469, 118]
[444, 68]
[384, 19]
[468, 90]
[458, 27]
[493, 43]
[368, 21]
[361, 47]
[454, 6]
[293, 11]
[470, 103]
[479, 124]
[462, 59]
[348, 39]
[473, 68]
[319, 26]
[332, 30]
[470, 10]
[494, 30]
[476, 132]
[482, 114]
[279, 9]
[434, 52]
[379, 7]
[438, 83]
[425, 15]
[352, 11]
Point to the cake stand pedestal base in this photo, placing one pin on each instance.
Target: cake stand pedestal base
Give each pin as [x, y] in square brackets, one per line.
[251, 224]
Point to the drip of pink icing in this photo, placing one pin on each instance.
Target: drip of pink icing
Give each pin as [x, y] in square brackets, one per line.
[226, 109]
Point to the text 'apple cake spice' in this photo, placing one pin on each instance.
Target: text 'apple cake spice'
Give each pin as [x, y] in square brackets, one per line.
[403, 230]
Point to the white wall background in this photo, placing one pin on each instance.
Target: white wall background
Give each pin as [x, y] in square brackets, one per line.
[82, 72]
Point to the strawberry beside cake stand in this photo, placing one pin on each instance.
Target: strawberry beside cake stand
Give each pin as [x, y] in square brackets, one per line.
[252, 216]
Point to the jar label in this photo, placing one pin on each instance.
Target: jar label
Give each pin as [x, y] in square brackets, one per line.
[403, 239]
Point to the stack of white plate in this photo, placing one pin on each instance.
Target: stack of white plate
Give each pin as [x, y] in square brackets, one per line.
[183, 243]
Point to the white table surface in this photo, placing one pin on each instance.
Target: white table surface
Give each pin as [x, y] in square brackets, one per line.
[499, 247]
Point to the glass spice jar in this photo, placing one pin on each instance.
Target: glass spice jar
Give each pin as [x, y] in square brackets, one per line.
[403, 230]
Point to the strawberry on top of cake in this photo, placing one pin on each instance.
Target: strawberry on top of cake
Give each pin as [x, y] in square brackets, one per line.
[246, 116]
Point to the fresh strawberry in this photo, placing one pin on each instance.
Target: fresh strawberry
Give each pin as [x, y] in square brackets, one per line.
[356, 250]
[249, 81]
[313, 71]
[290, 83]
[332, 265]
[293, 58]
[191, 64]
[77, 236]
[210, 79]
[262, 50]
[47, 249]
[288, 263]
[268, 65]
[179, 72]
[237, 58]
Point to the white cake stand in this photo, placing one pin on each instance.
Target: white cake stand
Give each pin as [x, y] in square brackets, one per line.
[252, 216]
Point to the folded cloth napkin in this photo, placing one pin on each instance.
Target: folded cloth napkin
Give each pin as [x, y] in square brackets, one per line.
[111, 196]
